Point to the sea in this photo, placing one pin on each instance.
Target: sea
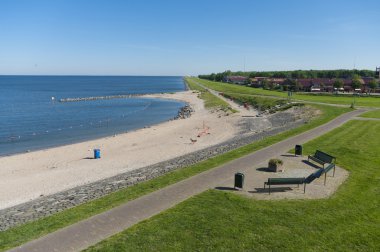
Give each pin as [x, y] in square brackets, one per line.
[32, 116]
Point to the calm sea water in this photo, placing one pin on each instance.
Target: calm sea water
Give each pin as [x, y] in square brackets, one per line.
[31, 120]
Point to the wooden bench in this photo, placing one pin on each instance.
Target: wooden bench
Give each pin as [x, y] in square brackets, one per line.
[285, 181]
[322, 158]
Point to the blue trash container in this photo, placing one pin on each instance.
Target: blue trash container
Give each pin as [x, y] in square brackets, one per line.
[96, 153]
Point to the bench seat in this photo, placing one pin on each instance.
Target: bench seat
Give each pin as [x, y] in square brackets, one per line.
[322, 158]
[285, 181]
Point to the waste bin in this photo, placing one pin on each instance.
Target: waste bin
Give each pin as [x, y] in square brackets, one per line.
[239, 180]
[298, 150]
[96, 153]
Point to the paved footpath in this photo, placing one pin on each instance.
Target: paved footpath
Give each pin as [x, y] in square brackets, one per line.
[99, 227]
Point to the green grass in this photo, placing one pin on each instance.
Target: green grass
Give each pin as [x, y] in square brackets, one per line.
[259, 102]
[224, 221]
[237, 89]
[210, 100]
[35, 229]
[372, 114]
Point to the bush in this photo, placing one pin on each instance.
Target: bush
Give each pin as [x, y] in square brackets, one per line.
[275, 161]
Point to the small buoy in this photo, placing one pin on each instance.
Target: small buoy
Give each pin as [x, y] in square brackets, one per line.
[52, 98]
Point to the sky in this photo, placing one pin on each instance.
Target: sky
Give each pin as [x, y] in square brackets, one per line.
[167, 37]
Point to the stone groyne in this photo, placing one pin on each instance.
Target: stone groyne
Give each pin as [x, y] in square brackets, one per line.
[95, 98]
[184, 112]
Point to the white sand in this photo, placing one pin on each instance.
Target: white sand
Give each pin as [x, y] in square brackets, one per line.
[27, 176]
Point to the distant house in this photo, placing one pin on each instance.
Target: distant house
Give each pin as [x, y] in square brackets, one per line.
[306, 85]
[240, 80]
[316, 84]
[259, 81]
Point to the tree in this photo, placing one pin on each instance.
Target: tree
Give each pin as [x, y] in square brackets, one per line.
[292, 85]
[265, 84]
[373, 84]
[356, 82]
[338, 83]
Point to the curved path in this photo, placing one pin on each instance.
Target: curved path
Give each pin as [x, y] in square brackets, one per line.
[99, 227]
[242, 111]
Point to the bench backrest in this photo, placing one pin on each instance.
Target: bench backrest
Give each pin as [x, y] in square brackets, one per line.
[310, 178]
[324, 156]
[328, 168]
[318, 173]
[286, 180]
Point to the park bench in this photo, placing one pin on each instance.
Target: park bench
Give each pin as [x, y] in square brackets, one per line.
[322, 158]
[319, 172]
[285, 181]
[327, 169]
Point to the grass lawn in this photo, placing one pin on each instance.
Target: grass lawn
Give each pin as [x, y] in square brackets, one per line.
[210, 100]
[237, 89]
[258, 102]
[224, 221]
[35, 229]
[372, 114]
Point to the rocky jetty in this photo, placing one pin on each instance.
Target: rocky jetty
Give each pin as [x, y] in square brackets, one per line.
[184, 112]
[94, 98]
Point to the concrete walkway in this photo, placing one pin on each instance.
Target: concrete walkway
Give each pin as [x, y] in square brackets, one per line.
[97, 228]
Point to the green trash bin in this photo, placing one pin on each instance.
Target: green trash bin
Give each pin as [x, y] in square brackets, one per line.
[298, 150]
[239, 180]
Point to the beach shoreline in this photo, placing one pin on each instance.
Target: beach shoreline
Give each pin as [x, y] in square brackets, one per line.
[48, 171]
[41, 183]
[105, 135]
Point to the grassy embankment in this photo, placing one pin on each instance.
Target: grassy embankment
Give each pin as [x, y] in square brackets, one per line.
[210, 100]
[35, 229]
[258, 102]
[341, 100]
[224, 221]
[372, 114]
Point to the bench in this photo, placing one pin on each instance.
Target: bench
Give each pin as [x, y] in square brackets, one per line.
[322, 158]
[313, 176]
[285, 181]
[327, 169]
[319, 173]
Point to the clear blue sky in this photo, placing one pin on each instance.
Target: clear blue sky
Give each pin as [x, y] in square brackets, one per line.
[166, 37]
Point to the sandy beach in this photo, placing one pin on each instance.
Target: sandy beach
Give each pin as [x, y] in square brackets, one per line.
[28, 176]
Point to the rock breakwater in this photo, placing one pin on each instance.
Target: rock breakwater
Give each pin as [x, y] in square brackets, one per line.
[94, 98]
[184, 112]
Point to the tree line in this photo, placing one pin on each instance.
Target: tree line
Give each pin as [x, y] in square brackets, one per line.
[297, 74]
